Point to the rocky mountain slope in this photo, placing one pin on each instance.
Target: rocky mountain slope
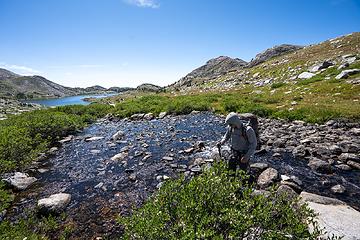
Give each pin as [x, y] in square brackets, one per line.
[282, 64]
[5, 74]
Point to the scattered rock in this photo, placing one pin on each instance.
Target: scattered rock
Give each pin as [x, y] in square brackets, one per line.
[321, 66]
[343, 66]
[66, 139]
[345, 157]
[118, 136]
[338, 189]
[54, 203]
[320, 166]
[149, 116]
[53, 150]
[196, 169]
[99, 185]
[343, 167]
[299, 151]
[43, 170]
[120, 156]
[267, 177]
[259, 166]
[306, 75]
[292, 184]
[132, 177]
[276, 155]
[95, 151]
[137, 116]
[354, 165]
[347, 73]
[166, 158]
[162, 115]
[287, 192]
[91, 139]
[20, 181]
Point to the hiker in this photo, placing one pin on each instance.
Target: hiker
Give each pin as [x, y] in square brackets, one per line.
[242, 141]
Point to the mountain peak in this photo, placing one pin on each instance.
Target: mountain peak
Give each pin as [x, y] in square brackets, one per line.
[213, 68]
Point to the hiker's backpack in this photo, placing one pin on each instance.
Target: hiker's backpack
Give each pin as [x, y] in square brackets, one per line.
[251, 120]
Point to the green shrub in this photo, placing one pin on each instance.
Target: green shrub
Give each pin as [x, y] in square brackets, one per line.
[5, 197]
[23, 137]
[215, 205]
[17, 147]
[32, 228]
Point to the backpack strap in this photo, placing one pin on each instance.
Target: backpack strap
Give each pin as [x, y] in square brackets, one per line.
[244, 128]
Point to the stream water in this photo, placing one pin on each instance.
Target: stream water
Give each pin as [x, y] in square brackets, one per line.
[102, 189]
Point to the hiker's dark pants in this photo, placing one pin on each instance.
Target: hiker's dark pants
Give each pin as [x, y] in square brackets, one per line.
[235, 160]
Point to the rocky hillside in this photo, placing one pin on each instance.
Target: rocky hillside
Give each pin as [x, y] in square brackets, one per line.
[5, 74]
[211, 70]
[286, 64]
[14, 85]
[273, 52]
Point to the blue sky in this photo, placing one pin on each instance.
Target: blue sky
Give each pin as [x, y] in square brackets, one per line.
[129, 42]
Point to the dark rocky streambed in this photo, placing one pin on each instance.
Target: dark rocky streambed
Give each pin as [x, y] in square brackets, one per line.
[102, 187]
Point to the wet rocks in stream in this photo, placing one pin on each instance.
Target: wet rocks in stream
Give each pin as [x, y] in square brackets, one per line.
[54, 203]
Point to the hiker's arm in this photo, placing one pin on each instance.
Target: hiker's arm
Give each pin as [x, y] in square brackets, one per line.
[250, 133]
[226, 136]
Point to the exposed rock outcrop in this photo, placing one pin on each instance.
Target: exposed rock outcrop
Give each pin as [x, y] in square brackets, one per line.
[273, 52]
[334, 215]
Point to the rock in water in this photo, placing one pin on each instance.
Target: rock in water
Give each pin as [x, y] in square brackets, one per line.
[54, 203]
[118, 136]
[20, 181]
[338, 189]
[267, 177]
[120, 156]
[90, 139]
[334, 215]
[320, 166]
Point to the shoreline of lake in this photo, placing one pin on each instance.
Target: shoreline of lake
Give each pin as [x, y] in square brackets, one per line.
[69, 100]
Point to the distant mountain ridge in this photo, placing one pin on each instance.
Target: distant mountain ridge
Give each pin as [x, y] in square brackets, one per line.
[13, 85]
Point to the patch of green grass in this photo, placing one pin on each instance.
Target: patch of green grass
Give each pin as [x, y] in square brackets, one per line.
[277, 85]
[215, 205]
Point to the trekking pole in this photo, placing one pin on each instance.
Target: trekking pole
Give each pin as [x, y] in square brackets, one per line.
[219, 149]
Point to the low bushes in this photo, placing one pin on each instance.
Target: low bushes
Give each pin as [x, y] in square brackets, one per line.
[216, 206]
[23, 137]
